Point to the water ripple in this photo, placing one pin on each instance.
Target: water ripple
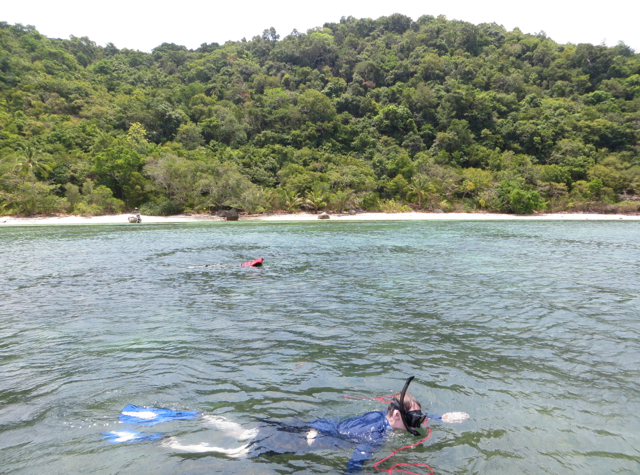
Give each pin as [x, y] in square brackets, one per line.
[531, 328]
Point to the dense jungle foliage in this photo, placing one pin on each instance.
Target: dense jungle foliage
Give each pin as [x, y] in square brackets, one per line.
[389, 114]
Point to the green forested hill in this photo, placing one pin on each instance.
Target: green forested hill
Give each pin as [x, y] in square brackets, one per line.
[376, 114]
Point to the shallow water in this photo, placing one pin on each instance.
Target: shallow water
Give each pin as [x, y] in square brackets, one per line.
[530, 327]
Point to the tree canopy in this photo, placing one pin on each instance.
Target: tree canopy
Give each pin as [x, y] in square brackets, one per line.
[386, 114]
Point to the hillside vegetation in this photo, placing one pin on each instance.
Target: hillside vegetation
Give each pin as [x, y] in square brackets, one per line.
[387, 114]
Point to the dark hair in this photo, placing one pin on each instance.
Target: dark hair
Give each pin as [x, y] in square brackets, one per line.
[409, 401]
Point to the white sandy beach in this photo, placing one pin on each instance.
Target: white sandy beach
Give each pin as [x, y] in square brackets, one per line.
[122, 218]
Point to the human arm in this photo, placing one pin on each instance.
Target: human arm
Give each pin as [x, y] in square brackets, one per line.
[450, 417]
[433, 417]
[361, 454]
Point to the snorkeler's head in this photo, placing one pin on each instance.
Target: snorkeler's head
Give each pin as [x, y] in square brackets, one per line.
[409, 402]
[409, 408]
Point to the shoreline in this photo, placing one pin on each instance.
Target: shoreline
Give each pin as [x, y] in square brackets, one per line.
[412, 216]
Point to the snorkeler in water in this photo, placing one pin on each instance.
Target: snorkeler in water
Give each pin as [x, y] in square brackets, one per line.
[366, 433]
[254, 263]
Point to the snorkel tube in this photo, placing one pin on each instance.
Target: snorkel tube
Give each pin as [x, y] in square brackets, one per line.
[403, 411]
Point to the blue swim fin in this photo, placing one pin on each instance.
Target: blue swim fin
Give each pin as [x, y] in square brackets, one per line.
[122, 436]
[150, 416]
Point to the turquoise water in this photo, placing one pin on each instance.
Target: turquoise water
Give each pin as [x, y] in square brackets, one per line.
[530, 327]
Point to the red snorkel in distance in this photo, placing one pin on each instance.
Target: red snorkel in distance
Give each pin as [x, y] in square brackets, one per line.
[254, 263]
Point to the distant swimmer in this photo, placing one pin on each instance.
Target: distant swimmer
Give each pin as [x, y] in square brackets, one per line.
[255, 263]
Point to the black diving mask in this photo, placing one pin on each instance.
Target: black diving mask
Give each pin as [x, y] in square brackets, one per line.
[411, 418]
[415, 418]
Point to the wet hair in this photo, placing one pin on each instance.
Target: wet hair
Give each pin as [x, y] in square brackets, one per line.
[409, 402]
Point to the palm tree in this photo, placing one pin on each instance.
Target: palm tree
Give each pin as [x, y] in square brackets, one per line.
[30, 161]
[340, 199]
[421, 188]
[270, 198]
[316, 199]
[291, 200]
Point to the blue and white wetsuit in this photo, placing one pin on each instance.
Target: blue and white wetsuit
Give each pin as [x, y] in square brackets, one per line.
[369, 431]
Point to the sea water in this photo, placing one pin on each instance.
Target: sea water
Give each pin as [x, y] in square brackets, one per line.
[530, 327]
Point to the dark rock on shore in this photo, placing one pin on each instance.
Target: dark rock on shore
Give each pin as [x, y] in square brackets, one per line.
[232, 215]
